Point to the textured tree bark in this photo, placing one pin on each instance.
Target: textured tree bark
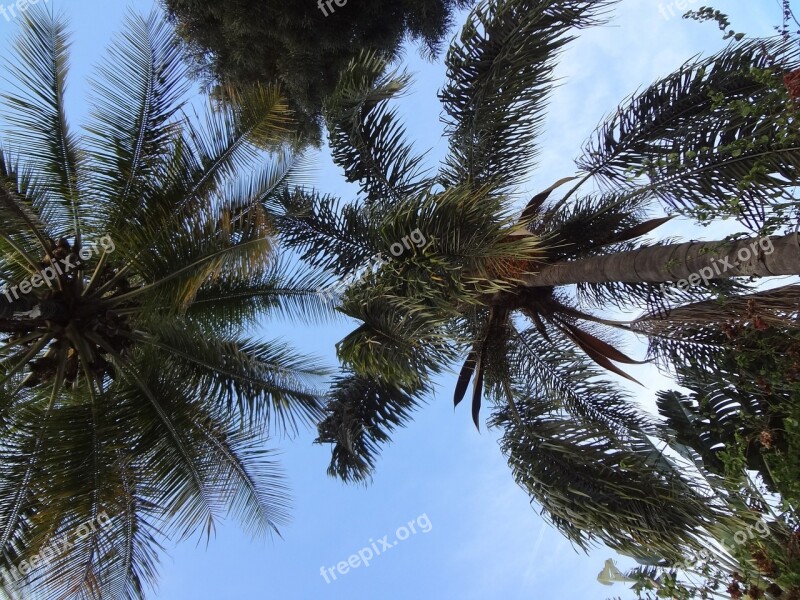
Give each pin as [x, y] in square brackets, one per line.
[690, 261]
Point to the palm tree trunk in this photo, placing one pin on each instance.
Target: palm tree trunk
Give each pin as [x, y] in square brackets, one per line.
[691, 262]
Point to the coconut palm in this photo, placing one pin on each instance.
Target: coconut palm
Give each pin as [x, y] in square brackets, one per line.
[518, 298]
[134, 404]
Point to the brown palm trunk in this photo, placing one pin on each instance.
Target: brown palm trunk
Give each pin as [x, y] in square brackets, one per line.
[690, 261]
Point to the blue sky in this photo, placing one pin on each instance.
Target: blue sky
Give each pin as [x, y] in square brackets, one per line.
[485, 540]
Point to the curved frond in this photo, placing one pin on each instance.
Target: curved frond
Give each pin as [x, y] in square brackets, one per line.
[619, 491]
[714, 139]
[35, 109]
[500, 73]
[365, 137]
[361, 415]
[138, 97]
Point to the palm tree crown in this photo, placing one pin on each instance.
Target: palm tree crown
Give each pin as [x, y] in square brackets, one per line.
[133, 261]
[488, 294]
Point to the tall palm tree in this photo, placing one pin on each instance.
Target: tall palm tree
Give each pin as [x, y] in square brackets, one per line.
[490, 291]
[134, 405]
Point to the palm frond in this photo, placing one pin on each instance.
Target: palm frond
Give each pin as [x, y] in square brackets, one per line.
[329, 234]
[394, 344]
[266, 382]
[500, 73]
[714, 139]
[35, 109]
[205, 244]
[690, 435]
[362, 413]
[284, 290]
[231, 139]
[21, 222]
[565, 379]
[594, 488]
[696, 334]
[136, 107]
[365, 137]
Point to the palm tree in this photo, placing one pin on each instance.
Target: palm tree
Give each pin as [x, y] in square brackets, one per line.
[134, 405]
[490, 289]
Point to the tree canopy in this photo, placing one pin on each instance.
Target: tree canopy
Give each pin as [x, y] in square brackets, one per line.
[489, 292]
[131, 389]
[297, 45]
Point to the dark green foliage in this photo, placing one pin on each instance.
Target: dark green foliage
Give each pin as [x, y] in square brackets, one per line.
[511, 49]
[361, 413]
[741, 417]
[470, 299]
[575, 441]
[601, 487]
[744, 404]
[294, 43]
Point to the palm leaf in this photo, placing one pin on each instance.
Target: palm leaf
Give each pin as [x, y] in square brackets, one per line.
[500, 72]
[362, 413]
[712, 138]
[36, 111]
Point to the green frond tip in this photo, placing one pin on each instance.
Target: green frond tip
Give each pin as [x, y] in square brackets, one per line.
[361, 414]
